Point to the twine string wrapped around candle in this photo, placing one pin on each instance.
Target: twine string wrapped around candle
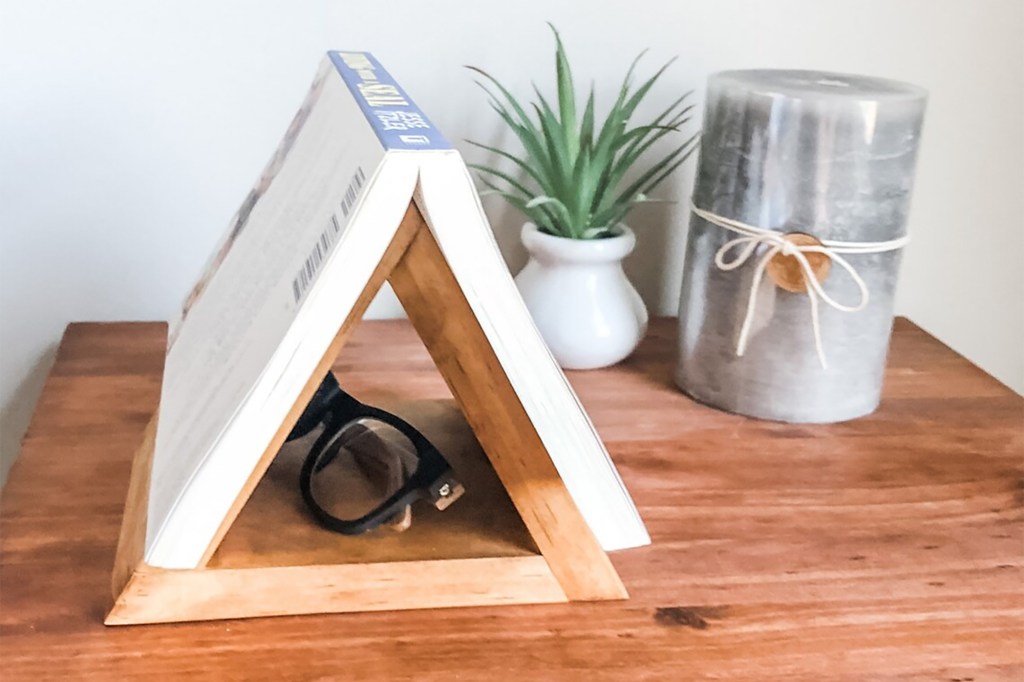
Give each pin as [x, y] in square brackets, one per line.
[751, 238]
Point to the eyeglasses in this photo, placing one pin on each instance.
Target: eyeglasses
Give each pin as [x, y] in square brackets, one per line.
[390, 453]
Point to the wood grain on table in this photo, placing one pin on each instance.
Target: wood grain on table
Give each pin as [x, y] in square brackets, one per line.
[890, 547]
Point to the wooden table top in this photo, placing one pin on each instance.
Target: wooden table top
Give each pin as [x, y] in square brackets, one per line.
[889, 547]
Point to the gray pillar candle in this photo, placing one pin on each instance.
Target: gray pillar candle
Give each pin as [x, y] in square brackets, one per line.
[830, 155]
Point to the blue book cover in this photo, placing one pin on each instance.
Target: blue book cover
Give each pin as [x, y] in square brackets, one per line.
[396, 119]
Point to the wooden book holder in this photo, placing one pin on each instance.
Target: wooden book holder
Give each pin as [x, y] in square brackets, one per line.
[518, 539]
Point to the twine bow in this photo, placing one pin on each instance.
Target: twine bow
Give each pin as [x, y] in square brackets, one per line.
[751, 238]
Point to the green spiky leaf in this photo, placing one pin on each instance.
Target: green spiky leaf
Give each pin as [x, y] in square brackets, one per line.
[569, 178]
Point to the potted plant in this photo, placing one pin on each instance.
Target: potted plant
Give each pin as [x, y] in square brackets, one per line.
[576, 180]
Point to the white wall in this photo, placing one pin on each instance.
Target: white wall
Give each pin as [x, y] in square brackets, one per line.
[129, 132]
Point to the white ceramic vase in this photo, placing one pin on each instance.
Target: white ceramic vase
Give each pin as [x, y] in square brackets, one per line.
[580, 299]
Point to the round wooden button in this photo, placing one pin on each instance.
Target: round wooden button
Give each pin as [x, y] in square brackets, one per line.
[786, 271]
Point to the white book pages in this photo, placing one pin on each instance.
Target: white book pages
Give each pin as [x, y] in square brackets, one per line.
[232, 370]
[450, 202]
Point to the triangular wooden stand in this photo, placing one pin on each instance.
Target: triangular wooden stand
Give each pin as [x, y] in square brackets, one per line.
[540, 551]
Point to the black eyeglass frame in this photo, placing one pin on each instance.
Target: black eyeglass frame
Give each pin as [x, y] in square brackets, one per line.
[432, 480]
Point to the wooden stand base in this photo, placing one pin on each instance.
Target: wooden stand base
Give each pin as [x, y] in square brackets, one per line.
[274, 560]
[515, 537]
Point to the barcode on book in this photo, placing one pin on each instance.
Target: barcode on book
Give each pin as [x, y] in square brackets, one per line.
[352, 192]
[311, 266]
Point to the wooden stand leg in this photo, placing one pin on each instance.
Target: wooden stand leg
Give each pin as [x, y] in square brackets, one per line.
[425, 285]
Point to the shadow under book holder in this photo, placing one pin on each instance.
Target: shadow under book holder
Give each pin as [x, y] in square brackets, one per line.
[531, 546]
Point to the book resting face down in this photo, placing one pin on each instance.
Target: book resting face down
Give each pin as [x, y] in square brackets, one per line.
[293, 263]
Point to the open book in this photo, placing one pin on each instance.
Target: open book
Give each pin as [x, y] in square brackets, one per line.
[296, 258]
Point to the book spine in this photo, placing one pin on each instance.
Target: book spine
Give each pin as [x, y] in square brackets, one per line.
[394, 117]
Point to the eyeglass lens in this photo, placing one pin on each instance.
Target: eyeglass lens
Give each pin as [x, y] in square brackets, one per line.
[365, 462]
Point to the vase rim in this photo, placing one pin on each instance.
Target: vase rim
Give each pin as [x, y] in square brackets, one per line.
[605, 249]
